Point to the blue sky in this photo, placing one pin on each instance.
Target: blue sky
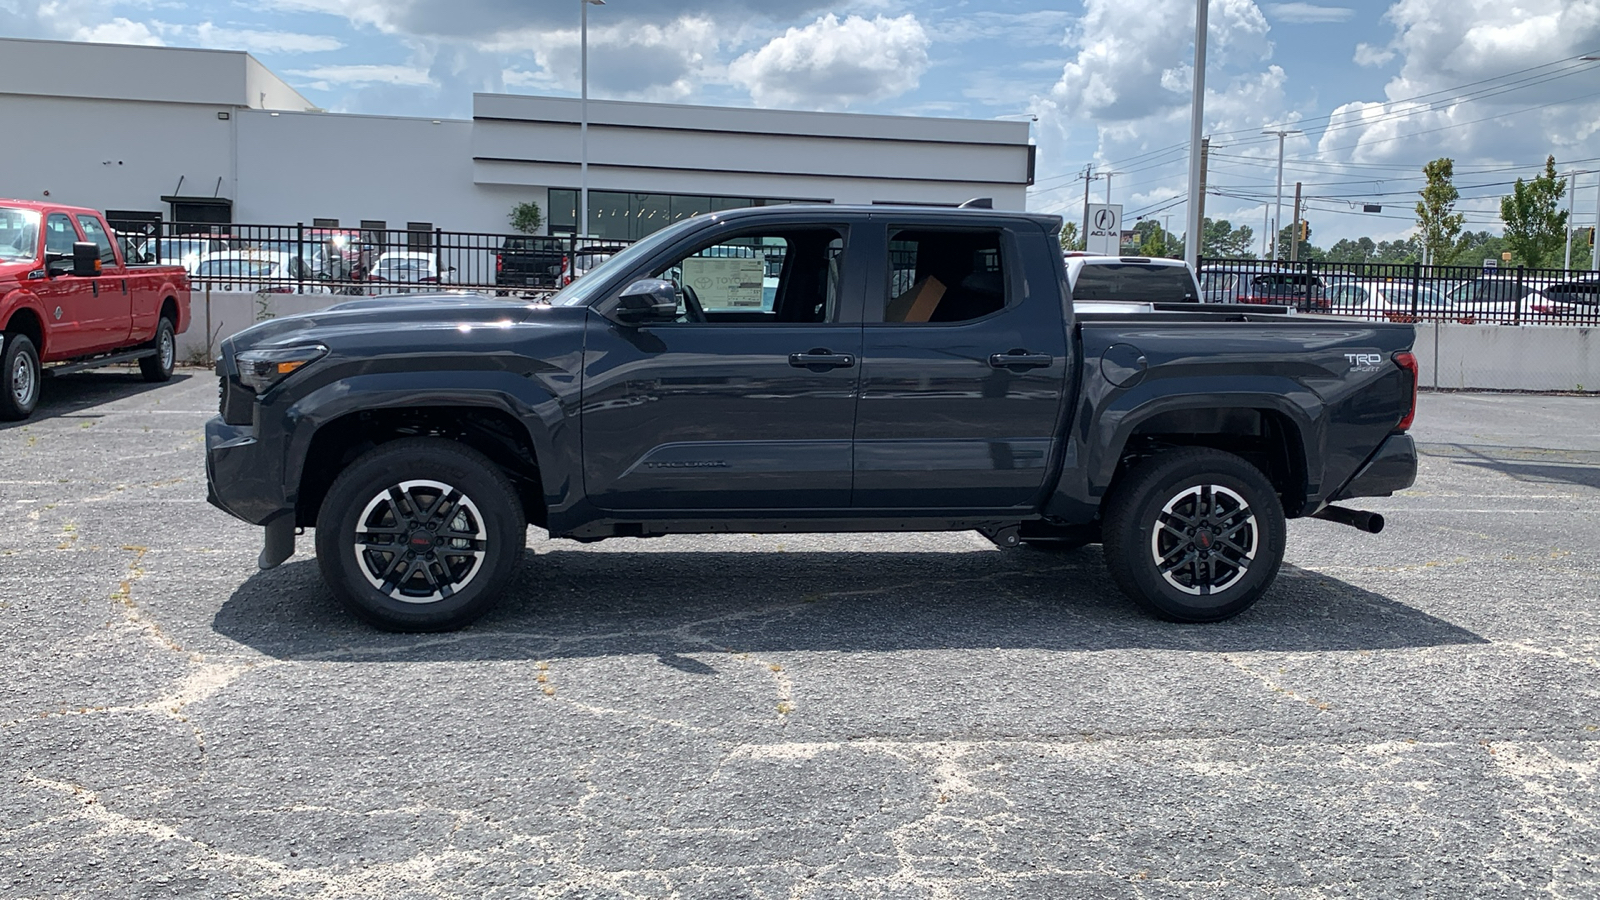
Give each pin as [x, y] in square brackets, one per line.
[1109, 80]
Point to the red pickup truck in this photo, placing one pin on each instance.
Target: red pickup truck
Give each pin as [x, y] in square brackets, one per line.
[69, 301]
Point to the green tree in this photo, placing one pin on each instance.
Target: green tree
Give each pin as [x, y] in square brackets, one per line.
[1308, 251]
[526, 218]
[1536, 225]
[1403, 251]
[1438, 223]
[1156, 241]
[1069, 237]
[1219, 239]
[1472, 249]
[1359, 250]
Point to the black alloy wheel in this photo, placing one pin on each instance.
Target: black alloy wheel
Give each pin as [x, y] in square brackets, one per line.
[420, 534]
[1194, 535]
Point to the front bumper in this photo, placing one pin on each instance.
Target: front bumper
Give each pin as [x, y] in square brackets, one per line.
[244, 479]
[1392, 468]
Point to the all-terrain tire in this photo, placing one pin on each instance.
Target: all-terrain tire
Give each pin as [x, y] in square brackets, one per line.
[420, 534]
[1194, 535]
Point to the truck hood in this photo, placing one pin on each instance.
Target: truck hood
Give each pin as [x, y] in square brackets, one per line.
[412, 319]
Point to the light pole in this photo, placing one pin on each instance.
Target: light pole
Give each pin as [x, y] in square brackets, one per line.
[1191, 246]
[583, 114]
[1277, 214]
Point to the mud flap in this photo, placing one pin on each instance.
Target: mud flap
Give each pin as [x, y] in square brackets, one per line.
[279, 542]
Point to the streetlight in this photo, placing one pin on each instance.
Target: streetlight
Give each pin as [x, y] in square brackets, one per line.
[1277, 214]
[583, 115]
[1191, 247]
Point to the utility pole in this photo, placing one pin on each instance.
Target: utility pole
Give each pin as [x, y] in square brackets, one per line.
[1205, 174]
[1294, 231]
[1572, 194]
[1197, 109]
[1594, 248]
[1088, 176]
[1277, 216]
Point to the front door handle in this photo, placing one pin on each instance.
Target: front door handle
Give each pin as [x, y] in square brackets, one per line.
[1021, 359]
[821, 360]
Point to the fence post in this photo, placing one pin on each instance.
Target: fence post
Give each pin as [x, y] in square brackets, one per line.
[1310, 265]
[1517, 299]
[300, 256]
[1416, 288]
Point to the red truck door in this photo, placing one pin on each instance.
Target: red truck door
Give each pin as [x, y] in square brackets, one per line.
[110, 300]
[67, 300]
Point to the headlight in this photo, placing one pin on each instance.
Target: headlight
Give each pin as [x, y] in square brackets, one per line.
[259, 370]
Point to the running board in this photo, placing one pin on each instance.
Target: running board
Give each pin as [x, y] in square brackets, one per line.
[87, 364]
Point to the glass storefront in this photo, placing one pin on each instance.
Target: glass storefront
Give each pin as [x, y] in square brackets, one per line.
[629, 217]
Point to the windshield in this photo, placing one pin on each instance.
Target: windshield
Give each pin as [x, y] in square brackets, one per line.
[403, 269]
[19, 234]
[584, 290]
[1134, 281]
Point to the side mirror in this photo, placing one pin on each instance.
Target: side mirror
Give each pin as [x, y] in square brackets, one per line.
[85, 259]
[648, 300]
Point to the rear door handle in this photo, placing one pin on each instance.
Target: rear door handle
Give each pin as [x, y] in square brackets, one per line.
[1021, 359]
[820, 360]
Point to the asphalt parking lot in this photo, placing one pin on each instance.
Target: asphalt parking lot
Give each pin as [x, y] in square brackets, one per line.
[898, 716]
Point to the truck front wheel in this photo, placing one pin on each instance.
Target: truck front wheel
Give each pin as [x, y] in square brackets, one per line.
[19, 377]
[1194, 535]
[420, 534]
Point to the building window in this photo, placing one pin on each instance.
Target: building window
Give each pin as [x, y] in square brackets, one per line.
[619, 216]
[419, 236]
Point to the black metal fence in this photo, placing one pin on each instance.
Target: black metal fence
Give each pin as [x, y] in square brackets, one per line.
[1410, 292]
[307, 259]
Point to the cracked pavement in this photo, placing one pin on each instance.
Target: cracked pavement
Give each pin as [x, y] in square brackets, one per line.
[889, 716]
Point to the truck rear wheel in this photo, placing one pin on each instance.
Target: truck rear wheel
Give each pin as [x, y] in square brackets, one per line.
[1194, 535]
[159, 366]
[420, 535]
[19, 377]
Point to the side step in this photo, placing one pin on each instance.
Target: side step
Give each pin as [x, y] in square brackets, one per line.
[96, 363]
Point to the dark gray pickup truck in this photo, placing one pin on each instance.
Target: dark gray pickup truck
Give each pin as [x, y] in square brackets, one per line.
[807, 369]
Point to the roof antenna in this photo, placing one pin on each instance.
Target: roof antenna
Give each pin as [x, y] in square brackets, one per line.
[978, 203]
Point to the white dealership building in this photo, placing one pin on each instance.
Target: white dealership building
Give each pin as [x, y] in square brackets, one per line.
[214, 136]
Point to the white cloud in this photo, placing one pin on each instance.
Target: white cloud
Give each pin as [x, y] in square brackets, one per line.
[324, 78]
[118, 31]
[209, 35]
[1368, 55]
[831, 64]
[660, 62]
[1308, 13]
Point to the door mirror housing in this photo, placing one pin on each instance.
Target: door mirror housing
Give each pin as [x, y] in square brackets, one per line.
[648, 300]
[85, 259]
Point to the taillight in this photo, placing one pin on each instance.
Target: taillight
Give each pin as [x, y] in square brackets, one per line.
[1407, 360]
[499, 263]
[429, 279]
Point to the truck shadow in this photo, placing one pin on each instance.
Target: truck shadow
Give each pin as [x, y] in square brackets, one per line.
[80, 391]
[584, 603]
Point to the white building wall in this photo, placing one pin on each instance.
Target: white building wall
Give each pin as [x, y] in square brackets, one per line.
[294, 167]
[116, 154]
[127, 72]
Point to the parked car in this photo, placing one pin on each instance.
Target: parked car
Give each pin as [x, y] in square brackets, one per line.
[404, 271]
[1505, 300]
[70, 300]
[420, 437]
[1392, 301]
[258, 270]
[1295, 289]
[1578, 299]
[587, 258]
[184, 251]
[530, 262]
[1139, 278]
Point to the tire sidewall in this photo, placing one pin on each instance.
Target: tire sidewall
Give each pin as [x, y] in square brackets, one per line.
[409, 460]
[1133, 539]
[15, 345]
[155, 368]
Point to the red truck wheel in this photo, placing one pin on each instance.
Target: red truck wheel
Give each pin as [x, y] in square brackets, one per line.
[159, 367]
[19, 378]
